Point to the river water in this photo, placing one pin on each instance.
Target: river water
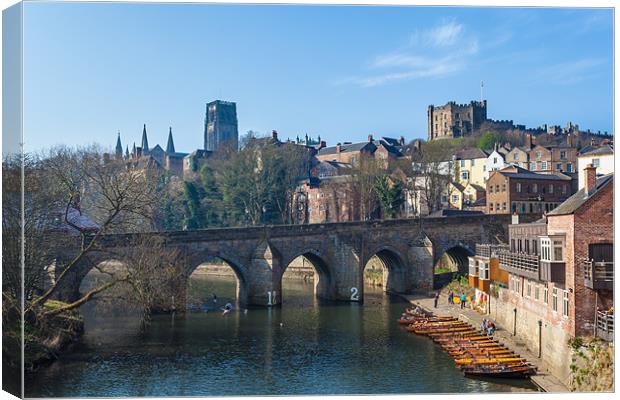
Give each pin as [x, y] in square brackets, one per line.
[303, 347]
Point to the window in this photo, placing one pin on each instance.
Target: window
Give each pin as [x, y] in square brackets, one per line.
[465, 175]
[529, 288]
[596, 162]
[545, 249]
[532, 166]
[558, 167]
[490, 188]
[490, 206]
[497, 188]
[554, 300]
[527, 246]
[515, 156]
[558, 245]
[519, 245]
[543, 166]
[496, 206]
[472, 162]
[484, 168]
[514, 207]
[455, 198]
[484, 271]
[562, 155]
[518, 188]
[504, 187]
[522, 208]
[504, 206]
[538, 154]
[494, 160]
[536, 292]
[535, 247]
[535, 187]
[546, 294]
[512, 245]
[518, 285]
[462, 163]
[569, 167]
[565, 303]
[564, 189]
[456, 115]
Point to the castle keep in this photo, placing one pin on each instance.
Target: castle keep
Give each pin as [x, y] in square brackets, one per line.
[455, 120]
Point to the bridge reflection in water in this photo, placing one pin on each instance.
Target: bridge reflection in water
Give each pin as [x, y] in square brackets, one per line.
[308, 346]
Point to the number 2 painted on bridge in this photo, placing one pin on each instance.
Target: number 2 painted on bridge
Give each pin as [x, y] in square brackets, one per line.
[271, 298]
[354, 295]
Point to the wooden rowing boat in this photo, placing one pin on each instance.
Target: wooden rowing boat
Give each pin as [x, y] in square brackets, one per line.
[500, 360]
[507, 372]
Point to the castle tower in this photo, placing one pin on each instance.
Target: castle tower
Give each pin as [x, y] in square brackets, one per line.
[221, 125]
[170, 146]
[119, 147]
[145, 142]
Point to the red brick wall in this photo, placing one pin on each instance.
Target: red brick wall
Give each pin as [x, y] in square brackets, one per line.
[592, 223]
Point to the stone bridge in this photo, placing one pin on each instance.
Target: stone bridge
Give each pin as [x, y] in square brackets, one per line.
[407, 248]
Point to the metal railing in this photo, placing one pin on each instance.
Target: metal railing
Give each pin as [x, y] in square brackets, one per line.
[598, 271]
[527, 264]
[605, 325]
[487, 249]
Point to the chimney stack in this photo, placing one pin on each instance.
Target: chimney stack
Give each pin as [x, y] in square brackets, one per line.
[338, 148]
[569, 139]
[401, 140]
[274, 134]
[370, 139]
[590, 176]
[528, 140]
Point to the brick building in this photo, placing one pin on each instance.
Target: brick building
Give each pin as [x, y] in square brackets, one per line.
[514, 190]
[455, 120]
[560, 275]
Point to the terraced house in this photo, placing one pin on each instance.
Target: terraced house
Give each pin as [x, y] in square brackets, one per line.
[560, 275]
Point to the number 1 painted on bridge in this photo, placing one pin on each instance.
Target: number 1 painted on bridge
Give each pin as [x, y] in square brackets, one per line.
[271, 298]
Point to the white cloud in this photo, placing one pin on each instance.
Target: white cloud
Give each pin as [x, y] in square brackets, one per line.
[440, 51]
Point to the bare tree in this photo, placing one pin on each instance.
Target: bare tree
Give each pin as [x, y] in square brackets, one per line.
[116, 196]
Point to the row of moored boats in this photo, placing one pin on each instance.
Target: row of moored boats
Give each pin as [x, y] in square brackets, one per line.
[477, 354]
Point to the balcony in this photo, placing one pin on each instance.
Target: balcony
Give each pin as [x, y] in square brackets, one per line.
[486, 250]
[522, 264]
[605, 325]
[599, 275]
[552, 271]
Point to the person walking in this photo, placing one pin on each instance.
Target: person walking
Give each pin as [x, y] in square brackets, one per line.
[451, 297]
[463, 300]
[436, 299]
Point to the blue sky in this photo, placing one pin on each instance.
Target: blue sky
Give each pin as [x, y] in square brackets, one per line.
[339, 72]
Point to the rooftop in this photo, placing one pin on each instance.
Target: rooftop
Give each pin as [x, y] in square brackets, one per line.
[578, 199]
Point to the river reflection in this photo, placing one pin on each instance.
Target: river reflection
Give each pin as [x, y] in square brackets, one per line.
[304, 347]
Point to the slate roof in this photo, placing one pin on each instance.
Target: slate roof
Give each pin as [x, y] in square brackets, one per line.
[345, 148]
[470, 154]
[534, 175]
[578, 199]
[597, 151]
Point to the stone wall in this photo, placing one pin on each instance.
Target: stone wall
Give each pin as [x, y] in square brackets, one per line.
[556, 354]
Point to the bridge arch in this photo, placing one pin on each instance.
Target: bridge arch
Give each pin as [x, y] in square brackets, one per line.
[236, 265]
[392, 265]
[323, 279]
[455, 258]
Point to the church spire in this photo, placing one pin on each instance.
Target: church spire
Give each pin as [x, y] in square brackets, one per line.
[170, 146]
[127, 152]
[145, 142]
[134, 151]
[119, 146]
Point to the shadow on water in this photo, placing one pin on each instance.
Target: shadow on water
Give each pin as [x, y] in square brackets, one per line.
[306, 346]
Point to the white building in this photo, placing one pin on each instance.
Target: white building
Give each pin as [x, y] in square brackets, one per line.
[601, 157]
[495, 161]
